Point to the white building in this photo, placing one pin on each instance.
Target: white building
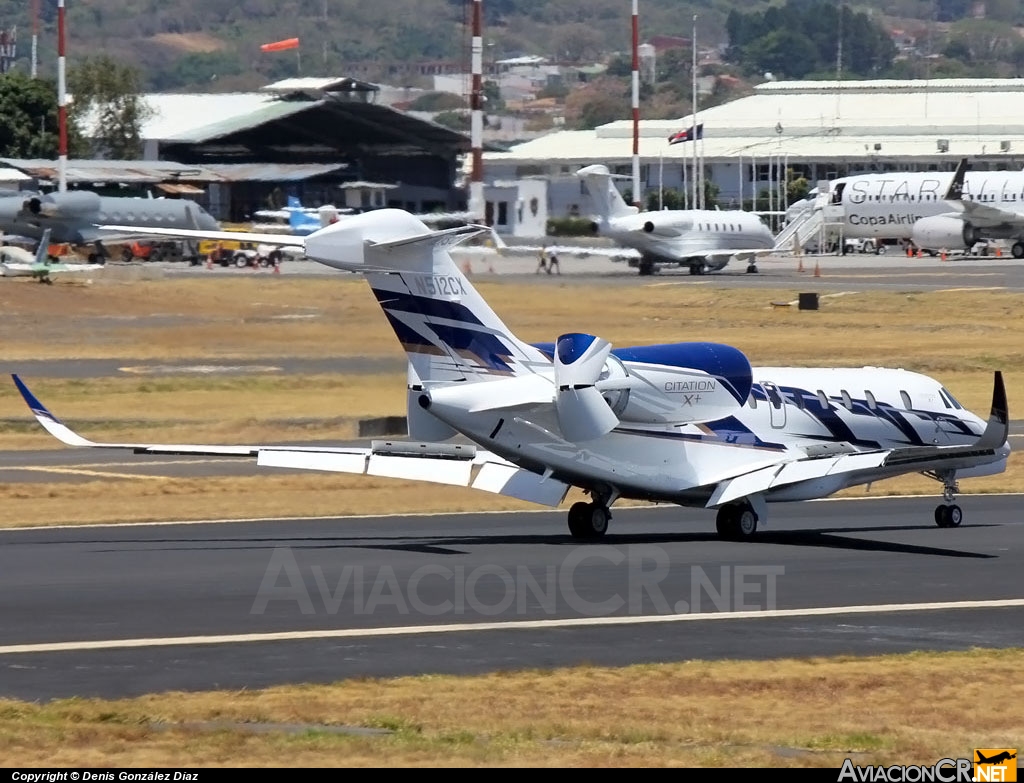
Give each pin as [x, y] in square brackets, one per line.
[821, 130]
[517, 208]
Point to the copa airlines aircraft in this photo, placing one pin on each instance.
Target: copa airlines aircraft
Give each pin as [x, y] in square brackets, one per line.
[691, 423]
[702, 239]
[934, 210]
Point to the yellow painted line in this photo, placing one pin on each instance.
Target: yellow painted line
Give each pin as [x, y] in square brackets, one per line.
[96, 473]
[505, 625]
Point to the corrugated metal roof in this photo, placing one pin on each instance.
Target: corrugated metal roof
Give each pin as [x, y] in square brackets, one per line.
[134, 171]
[272, 172]
[268, 112]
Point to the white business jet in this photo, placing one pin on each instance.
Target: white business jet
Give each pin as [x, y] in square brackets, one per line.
[934, 210]
[704, 240]
[688, 423]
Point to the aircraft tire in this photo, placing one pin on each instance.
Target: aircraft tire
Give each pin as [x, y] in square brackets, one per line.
[736, 522]
[588, 520]
[646, 267]
[1017, 250]
[948, 516]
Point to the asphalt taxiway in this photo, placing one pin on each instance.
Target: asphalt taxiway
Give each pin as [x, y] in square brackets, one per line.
[121, 610]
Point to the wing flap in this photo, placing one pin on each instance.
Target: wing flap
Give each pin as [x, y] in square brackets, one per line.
[503, 478]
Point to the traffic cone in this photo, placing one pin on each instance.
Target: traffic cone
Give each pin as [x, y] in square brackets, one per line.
[919, 252]
[999, 252]
[942, 255]
[466, 269]
[800, 266]
[209, 262]
[277, 269]
[817, 269]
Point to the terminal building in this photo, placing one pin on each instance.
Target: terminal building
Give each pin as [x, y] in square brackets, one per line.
[817, 129]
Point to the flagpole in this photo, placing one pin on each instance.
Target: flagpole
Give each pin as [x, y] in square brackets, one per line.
[661, 180]
[637, 198]
[698, 176]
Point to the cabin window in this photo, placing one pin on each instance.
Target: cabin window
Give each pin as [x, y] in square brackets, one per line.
[906, 400]
[752, 401]
[823, 399]
[872, 405]
[952, 399]
[773, 395]
[799, 397]
[847, 402]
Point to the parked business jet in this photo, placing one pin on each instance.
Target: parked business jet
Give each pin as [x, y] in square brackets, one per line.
[934, 210]
[702, 239]
[691, 423]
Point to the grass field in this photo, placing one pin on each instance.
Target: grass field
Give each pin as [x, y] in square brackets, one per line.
[901, 709]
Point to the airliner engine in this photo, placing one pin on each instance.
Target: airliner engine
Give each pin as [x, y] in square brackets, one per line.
[943, 232]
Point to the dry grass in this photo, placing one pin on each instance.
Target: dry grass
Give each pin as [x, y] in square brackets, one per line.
[907, 709]
[263, 316]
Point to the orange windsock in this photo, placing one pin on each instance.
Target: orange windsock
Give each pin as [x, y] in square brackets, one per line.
[280, 46]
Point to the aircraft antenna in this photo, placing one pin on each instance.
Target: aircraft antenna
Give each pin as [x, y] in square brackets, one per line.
[62, 103]
[637, 199]
[476, 182]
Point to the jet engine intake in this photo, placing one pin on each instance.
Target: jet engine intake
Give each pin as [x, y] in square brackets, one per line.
[942, 232]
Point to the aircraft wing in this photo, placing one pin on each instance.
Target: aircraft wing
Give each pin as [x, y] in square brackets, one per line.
[742, 253]
[216, 236]
[463, 465]
[614, 253]
[910, 459]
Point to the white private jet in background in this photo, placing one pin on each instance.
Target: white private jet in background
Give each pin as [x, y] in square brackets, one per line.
[702, 239]
[687, 423]
[934, 210]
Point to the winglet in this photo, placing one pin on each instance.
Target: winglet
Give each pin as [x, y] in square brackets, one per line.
[955, 192]
[50, 423]
[997, 431]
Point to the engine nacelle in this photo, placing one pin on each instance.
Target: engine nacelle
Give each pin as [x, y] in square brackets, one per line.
[58, 205]
[943, 232]
[678, 383]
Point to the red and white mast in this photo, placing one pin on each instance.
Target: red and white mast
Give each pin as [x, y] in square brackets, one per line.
[62, 104]
[637, 196]
[476, 182]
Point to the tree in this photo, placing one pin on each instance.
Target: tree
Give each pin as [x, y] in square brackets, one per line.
[107, 98]
[29, 110]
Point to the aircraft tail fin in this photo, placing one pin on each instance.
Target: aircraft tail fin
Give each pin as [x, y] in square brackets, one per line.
[955, 192]
[449, 332]
[602, 190]
[43, 250]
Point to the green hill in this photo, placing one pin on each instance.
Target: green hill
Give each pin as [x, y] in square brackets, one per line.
[214, 45]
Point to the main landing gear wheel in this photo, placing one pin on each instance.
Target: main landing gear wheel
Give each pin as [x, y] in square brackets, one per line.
[751, 269]
[697, 269]
[1017, 249]
[949, 516]
[646, 267]
[736, 522]
[588, 520]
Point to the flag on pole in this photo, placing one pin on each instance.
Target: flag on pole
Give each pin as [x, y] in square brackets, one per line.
[280, 46]
[688, 134]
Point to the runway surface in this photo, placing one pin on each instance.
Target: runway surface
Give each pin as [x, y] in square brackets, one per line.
[360, 597]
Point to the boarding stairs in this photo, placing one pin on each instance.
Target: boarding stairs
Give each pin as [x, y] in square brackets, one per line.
[801, 230]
